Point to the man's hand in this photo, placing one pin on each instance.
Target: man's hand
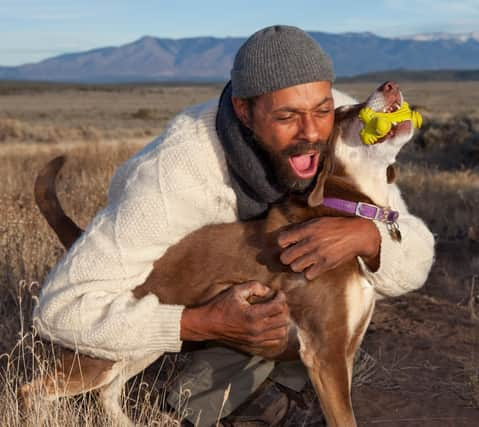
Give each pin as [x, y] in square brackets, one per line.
[324, 243]
[230, 318]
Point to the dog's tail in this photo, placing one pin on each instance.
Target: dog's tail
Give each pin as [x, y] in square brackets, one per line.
[47, 201]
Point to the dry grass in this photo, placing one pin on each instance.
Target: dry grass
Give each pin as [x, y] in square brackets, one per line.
[144, 396]
[101, 128]
[28, 251]
[65, 114]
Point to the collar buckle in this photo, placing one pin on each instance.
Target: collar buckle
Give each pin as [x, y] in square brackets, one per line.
[360, 205]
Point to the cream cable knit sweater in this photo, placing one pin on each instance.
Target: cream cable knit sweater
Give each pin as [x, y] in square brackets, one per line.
[176, 184]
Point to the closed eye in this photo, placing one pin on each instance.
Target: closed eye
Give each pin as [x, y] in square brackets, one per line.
[323, 111]
[284, 118]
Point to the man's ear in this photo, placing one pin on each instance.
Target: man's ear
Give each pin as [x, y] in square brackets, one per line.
[242, 110]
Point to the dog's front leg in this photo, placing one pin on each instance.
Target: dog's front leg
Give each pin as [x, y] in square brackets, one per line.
[332, 317]
[329, 369]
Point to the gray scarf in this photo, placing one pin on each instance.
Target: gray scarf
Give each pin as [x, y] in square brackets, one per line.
[248, 165]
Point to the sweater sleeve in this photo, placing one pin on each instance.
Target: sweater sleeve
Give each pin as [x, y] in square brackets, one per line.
[404, 266]
[86, 302]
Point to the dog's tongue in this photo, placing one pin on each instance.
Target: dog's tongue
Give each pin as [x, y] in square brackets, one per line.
[302, 162]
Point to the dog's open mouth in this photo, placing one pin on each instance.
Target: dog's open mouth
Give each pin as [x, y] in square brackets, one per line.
[396, 127]
[395, 130]
[394, 106]
[305, 165]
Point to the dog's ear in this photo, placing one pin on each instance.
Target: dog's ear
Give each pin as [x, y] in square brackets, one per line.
[344, 110]
[391, 174]
[347, 112]
[316, 196]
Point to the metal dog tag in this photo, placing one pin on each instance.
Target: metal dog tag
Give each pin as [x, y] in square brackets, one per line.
[394, 231]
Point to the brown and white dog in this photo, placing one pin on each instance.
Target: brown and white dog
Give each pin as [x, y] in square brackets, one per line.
[330, 314]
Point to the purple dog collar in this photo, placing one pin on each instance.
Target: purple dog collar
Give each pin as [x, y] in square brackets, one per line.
[363, 210]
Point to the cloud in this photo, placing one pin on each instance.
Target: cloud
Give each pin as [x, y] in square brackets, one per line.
[45, 11]
[55, 16]
[27, 51]
[431, 9]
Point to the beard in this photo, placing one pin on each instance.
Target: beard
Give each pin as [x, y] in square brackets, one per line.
[282, 172]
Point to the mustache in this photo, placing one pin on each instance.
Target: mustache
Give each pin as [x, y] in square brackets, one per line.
[303, 147]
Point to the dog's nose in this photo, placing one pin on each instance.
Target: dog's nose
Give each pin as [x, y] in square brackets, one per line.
[391, 92]
[389, 87]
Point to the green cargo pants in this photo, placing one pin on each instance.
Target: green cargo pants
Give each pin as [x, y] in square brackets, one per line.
[201, 391]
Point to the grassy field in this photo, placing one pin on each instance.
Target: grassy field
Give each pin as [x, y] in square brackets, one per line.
[423, 347]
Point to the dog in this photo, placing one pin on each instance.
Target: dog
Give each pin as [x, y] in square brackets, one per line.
[343, 297]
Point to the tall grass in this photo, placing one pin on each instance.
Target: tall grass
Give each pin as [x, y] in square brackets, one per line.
[28, 250]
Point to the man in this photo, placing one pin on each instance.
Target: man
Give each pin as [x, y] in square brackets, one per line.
[220, 162]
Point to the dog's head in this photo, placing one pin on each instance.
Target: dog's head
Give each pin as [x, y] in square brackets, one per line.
[366, 162]
[387, 98]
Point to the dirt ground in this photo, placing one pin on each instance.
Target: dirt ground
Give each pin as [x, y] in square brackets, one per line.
[427, 369]
[423, 348]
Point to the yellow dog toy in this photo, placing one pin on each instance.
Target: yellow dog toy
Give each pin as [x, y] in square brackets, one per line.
[377, 125]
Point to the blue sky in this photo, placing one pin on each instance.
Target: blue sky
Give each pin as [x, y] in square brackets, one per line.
[31, 30]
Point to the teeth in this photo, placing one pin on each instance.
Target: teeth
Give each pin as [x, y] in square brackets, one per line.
[392, 108]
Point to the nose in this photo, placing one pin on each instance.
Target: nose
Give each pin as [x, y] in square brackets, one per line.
[391, 91]
[310, 129]
[389, 86]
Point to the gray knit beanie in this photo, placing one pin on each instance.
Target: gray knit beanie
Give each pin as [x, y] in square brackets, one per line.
[278, 57]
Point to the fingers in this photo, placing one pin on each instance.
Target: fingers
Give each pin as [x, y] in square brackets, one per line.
[320, 244]
[312, 263]
[299, 249]
[269, 335]
[272, 340]
[252, 288]
[274, 307]
[270, 332]
[321, 265]
[259, 328]
[296, 233]
[279, 321]
[301, 263]
[258, 337]
[315, 271]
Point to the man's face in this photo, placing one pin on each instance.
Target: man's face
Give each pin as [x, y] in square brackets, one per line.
[292, 125]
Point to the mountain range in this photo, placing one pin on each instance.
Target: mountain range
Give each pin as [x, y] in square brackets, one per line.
[211, 58]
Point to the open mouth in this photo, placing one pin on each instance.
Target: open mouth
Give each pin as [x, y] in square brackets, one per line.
[305, 165]
[387, 117]
[391, 108]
